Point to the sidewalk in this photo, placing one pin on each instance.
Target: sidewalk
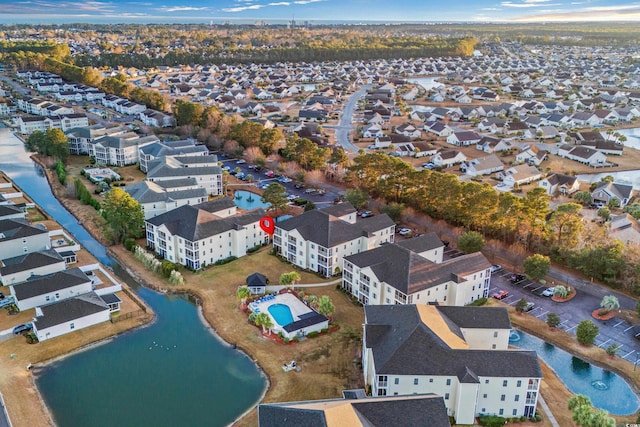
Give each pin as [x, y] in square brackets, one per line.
[278, 288]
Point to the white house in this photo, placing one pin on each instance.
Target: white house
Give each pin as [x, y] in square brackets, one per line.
[582, 154]
[372, 131]
[20, 268]
[531, 155]
[10, 211]
[200, 235]
[318, 240]
[462, 138]
[70, 315]
[204, 169]
[162, 196]
[19, 237]
[460, 353]
[41, 290]
[559, 183]
[448, 158]
[612, 190]
[412, 272]
[484, 165]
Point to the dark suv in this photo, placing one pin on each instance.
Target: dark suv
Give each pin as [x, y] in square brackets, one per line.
[517, 278]
[22, 328]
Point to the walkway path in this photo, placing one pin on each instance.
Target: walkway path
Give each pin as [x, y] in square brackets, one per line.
[547, 411]
[277, 288]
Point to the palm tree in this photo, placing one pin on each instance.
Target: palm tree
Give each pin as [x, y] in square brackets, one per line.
[609, 303]
[263, 320]
[290, 278]
[325, 306]
[561, 291]
[243, 293]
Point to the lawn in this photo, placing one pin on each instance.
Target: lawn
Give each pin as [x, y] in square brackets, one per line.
[328, 362]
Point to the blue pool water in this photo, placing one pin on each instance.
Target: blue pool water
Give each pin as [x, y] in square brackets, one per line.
[281, 313]
[581, 377]
[248, 200]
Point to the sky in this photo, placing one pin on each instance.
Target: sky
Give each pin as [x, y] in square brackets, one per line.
[204, 11]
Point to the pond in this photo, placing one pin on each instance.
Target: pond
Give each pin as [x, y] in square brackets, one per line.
[248, 200]
[173, 370]
[428, 83]
[633, 137]
[606, 390]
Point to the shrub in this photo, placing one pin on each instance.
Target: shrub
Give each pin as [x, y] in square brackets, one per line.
[225, 260]
[478, 302]
[167, 268]
[312, 334]
[253, 249]
[286, 340]
[295, 339]
[491, 421]
[176, 278]
[130, 244]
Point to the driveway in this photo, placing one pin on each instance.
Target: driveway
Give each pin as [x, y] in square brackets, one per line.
[345, 126]
[15, 85]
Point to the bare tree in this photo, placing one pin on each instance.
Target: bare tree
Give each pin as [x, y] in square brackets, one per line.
[231, 147]
[291, 169]
[253, 154]
[315, 178]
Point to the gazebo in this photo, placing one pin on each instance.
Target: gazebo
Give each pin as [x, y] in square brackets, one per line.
[257, 283]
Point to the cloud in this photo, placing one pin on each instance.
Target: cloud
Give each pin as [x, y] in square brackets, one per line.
[243, 8]
[307, 1]
[281, 3]
[182, 8]
[527, 4]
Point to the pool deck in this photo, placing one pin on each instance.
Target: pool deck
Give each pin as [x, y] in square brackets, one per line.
[297, 307]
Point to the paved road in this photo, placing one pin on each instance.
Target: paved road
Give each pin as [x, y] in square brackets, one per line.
[4, 417]
[15, 85]
[345, 126]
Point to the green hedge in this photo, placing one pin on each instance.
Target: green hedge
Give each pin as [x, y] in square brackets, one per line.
[225, 260]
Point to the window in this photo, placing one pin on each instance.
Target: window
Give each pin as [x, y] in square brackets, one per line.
[397, 381]
[519, 383]
[47, 298]
[501, 411]
[486, 381]
[446, 396]
[415, 381]
[495, 334]
[72, 326]
[515, 412]
[504, 383]
[448, 381]
[493, 346]
[430, 380]
[503, 397]
[517, 398]
[484, 395]
[375, 296]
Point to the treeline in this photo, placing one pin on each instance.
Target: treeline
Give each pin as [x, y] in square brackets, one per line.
[364, 48]
[527, 221]
[44, 47]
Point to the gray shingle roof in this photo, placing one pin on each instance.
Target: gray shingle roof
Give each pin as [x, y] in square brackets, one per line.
[7, 210]
[70, 309]
[196, 222]
[30, 261]
[11, 229]
[50, 283]
[426, 242]
[403, 345]
[327, 230]
[150, 192]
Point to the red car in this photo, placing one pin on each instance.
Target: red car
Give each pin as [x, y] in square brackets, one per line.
[501, 294]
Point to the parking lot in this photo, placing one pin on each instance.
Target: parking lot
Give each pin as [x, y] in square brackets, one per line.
[613, 331]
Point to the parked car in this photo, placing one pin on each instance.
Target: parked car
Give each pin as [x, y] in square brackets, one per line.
[517, 278]
[366, 214]
[269, 174]
[240, 175]
[429, 165]
[226, 168]
[495, 268]
[310, 190]
[284, 179]
[25, 327]
[299, 186]
[501, 294]
[530, 306]
[241, 161]
[291, 197]
[548, 292]
[404, 231]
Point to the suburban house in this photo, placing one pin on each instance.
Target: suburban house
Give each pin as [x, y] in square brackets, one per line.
[372, 131]
[20, 268]
[605, 147]
[200, 235]
[318, 240]
[156, 118]
[462, 138]
[18, 236]
[412, 272]
[531, 155]
[521, 175]
[118, 150]
[559, 183]
[625, 228]
[162, 196]
[356, 409]
[41, 290]
[484, 165]
[70, 315]
[446, 158]
[9, 211]
[438, 128]
[489, 144]
[204, 169]
[157, 149]
[612, 190]
[582, 154]
[460, 353]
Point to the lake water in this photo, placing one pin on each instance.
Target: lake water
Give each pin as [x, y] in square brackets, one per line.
[606, 390]
[633, 137]
[173, 372]
[428, 83]
[625, 177]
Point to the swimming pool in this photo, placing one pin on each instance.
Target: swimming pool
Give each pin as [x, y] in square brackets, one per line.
[248, 200]
[281, 314]
[581, 377]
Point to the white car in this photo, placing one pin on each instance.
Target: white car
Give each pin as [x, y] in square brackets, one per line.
[241, 161]
[404, 231]
[495, 268]
[548, 292]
